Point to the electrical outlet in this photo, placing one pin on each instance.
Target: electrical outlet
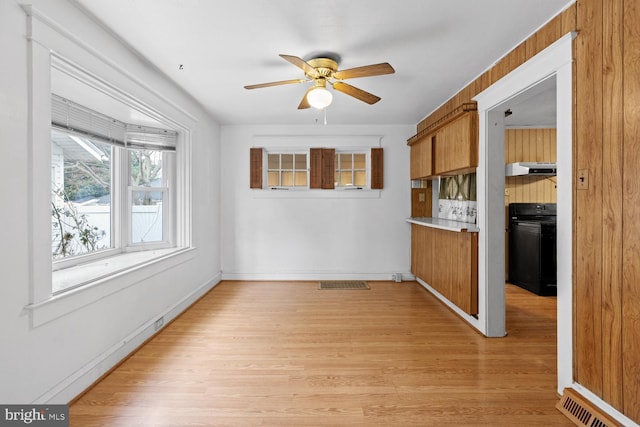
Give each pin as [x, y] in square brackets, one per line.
[158, 323]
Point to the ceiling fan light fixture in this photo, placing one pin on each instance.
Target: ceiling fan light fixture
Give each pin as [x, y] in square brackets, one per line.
[319, 97]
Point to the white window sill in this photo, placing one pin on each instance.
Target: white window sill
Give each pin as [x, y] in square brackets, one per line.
[90, 282]
[269, 193]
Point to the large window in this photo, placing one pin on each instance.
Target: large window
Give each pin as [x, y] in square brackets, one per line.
[111, 185]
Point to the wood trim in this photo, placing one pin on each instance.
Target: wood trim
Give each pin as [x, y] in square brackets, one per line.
[377, 169]
[443, 121]
[255, 167]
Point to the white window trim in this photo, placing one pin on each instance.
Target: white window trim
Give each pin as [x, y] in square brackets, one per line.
[167, 227]
[46, 41]
[367, 154]
[340, 142]
[281, 151]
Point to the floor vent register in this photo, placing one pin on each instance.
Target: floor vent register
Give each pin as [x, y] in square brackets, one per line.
[343, 284]
[582, 412]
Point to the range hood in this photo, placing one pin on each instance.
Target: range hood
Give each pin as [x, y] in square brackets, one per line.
[530, 168]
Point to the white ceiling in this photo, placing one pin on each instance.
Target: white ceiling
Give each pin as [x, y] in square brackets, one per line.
[435, 46]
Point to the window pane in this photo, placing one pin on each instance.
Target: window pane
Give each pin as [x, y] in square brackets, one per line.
[361, 178]
[346, 161]
[301, 179]
[273, 179]
[80, 195]
[345, 179]
[146, 168]
[359, 161]
[146, 216]
[287, 179]
[273, 161]
[301, 161]
[287, 161]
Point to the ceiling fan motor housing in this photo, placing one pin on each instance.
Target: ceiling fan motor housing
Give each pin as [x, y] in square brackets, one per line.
[325, 67]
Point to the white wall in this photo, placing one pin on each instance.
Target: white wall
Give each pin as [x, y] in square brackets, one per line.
[53, 361]
[316, 234]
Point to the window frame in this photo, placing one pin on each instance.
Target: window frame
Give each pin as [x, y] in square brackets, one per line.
[280, 153]
[85, 270]
[367, 169]
[121, 212]
[321, 165]
[52, 47]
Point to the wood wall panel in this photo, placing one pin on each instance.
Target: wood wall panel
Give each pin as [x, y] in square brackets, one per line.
[588, 202]
[612, 206]
[631, 217]
[421, 201]
[530, 145]
[448, 262]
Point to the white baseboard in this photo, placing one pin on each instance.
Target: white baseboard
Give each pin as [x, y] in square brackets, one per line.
[78, 382]
[604, 406]
[312, 276]
[469, 319]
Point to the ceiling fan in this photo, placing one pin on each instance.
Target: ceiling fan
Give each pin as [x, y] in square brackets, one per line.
[323, 70]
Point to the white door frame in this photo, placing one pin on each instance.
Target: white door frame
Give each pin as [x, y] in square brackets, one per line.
[553, 62]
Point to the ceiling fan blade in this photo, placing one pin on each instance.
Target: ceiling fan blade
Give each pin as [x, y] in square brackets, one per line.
[300, 63]
[365, 71]
[304, 103]
[283, 82]
[360, 94]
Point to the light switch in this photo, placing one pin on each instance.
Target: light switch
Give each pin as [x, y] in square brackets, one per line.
[583, 179]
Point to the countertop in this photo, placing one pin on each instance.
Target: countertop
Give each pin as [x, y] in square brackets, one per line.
[444, 224]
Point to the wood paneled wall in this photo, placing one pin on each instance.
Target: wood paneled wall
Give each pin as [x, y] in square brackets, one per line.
[530, 145]
[607, 226]
[606, 149]
[629, 297]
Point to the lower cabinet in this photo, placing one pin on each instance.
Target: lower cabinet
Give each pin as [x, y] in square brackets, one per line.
[448, 262]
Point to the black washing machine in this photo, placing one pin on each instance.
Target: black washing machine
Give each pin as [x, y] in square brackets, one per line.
[532, 247]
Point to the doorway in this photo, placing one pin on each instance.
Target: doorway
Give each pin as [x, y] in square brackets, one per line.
[555, 62]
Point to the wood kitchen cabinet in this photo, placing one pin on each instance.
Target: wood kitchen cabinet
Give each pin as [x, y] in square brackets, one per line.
[448, 262]
[455, 146]
[421, 159]
[447, 147]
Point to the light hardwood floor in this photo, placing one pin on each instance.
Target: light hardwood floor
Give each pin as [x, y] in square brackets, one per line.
[288, 354]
